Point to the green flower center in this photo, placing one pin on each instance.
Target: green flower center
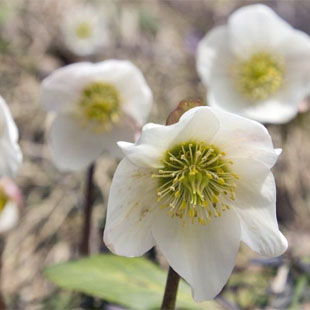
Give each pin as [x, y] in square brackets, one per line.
[196, 181]
[3, 199]
[100, 104]
[83, 30]
[259, 77]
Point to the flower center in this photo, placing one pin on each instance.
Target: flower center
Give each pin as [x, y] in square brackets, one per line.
[196, 181]
[3, 199]
[83, 30]
[100, 104]
[259, 77]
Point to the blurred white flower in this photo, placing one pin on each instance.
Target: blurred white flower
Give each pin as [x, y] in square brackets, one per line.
[257, 65]
[84, 30]
[196, 189]
[11, 156]
[10, 205]
[96, 106]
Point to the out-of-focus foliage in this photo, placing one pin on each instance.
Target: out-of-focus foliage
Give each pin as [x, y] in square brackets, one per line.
[135, 283]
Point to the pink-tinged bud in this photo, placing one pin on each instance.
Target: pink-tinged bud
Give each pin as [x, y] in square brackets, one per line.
[11, 202]
[182, 107]
[304, 105]
[12, 190]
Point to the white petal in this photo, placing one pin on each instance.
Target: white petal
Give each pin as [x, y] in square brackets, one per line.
[273, 111]
[130, 210]
[9, 217]
[151, 145]
[75, 146]
[62, 89]
[278, 109]
[252, 176]
[158, 135]
[214, 64]
[11, 156]
[257, 211]
[203, 255]
[213, 54]
[128, 79]
[256, 205]
[242, 137]
[296, 52]
[142, 155]
[197, 124]
[229, 99]
[10, 127]
[255, 27]
[124, 130]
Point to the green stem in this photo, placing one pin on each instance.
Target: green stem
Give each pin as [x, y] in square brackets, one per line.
[88, 208]
[171, 290]
[2, 301]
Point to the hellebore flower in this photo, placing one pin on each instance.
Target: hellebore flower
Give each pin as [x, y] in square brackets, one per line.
[11, 156]
[10, 205]
[196, 189]
[257, 65]
[84, 30]
[96, 105]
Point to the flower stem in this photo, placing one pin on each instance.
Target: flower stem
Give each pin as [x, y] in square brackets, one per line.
[2, 301]
[88, 208]
[171, 290]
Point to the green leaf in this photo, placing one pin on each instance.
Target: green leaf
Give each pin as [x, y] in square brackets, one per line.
[135, 283]
[299, 289]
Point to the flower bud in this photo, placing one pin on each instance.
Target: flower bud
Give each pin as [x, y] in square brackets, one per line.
[182, 107]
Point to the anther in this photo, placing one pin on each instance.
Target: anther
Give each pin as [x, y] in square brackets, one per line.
[195, 176]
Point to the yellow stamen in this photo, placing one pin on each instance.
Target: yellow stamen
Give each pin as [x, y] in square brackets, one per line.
[194, 179]
[83, 30]
[259, 77]
[100, 105]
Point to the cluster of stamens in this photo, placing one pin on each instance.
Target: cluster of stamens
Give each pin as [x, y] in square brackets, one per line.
[196, 181]
[3, 199]
[83, 30]
[259, 77]
[100, 105]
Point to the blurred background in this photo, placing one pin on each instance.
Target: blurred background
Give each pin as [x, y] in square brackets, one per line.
[160, 37]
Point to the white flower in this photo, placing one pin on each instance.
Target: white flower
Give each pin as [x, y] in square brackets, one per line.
[10, 204]
[96, 106]
[196, 189]
[84, 30]
[11, 156]
[257, 65]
